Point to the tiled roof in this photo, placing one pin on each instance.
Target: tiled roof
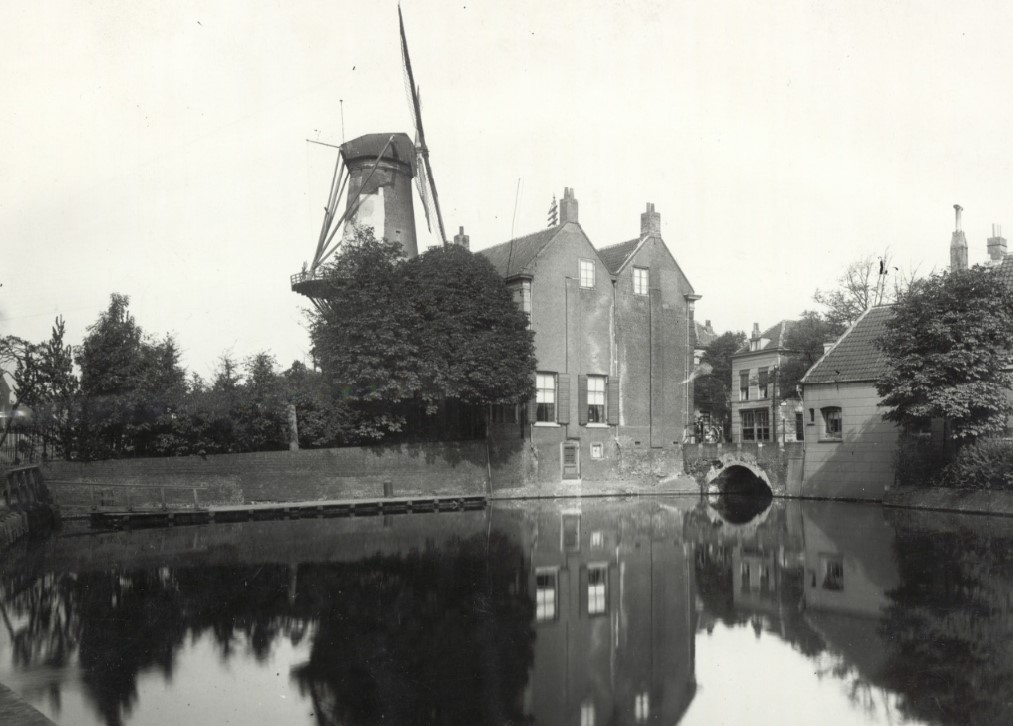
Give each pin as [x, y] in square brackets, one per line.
[525, 249]
[777, 335]
[615, 255]
[704, 337]
[854, 357]
[1005, 271]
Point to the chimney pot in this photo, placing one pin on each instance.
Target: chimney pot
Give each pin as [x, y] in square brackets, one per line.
[650, 222]
[996, 244]
[462, 240]
[568, 208]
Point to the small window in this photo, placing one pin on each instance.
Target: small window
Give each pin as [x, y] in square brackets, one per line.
[546, 587]
[596, 399]
[833, 572]
[545, 397]
[597, 580]
[832, 427]
[762, 375]
[587, 713]
[597, 539]
[597, 451]
[799, 427]
[586, 273]
[640, 277]
[812, 415]
[744, 386]
[642, 707]
[762, 424]
[748, 426]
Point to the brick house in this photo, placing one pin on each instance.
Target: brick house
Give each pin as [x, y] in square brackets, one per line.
[760, 410]
[613, 343]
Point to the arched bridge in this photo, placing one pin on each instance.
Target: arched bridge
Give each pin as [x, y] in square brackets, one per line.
[738, 468]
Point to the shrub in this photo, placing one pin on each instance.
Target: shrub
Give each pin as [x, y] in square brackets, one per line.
[986, 464]
[918, 462]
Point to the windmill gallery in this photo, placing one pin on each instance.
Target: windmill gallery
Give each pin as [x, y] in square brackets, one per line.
[613, 325]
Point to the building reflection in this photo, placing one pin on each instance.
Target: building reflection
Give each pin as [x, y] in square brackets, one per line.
[614, 615]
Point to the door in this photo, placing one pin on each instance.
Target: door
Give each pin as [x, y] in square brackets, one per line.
[571, 460]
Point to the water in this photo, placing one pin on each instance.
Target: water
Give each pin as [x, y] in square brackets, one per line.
[666, 610]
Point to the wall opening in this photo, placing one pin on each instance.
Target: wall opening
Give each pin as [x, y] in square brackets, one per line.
[742, 494]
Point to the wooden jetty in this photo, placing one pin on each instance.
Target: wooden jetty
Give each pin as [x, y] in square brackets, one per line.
[285, 510]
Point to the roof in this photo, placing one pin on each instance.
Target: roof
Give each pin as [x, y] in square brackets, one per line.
[614, 256]
[776, 334]
[524, 250]
[369, 146]
[704, 337]
[1005, 271]
[855, 357]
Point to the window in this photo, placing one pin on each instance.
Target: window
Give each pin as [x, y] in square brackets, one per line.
[586, 273]
[545, 397]
[597, 579]
[598, 451]
[799, 427]
[744, 386]
[833, 572]
[587, 713]
[596, 540]
[762, 375]
[522, 296]
[596, 399]
[640, 280]
[748, 426]
[762, 424]
[642, 707]
[545, 594]
[831, 422]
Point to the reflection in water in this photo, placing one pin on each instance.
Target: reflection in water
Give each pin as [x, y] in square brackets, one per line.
[569, 612]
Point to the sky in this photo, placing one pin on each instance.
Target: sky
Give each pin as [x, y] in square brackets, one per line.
[159, 150]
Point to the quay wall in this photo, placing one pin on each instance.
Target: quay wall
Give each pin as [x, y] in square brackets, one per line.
[275, 476]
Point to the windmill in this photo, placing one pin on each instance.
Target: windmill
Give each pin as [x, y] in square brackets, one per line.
[374, 171]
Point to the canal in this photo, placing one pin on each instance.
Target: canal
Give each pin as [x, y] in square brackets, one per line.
[584, 612]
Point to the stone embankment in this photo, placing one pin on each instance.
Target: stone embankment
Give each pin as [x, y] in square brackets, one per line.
[941, 499]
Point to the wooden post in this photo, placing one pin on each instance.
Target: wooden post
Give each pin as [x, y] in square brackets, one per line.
[293, 428]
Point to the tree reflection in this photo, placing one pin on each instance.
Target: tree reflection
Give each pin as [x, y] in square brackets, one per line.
[440, 636]
[949, 627]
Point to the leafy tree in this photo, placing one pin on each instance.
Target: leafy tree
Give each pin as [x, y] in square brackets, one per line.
[948, 345]
[396, 335]
[713, 390]
[324, 419]
[804, 340]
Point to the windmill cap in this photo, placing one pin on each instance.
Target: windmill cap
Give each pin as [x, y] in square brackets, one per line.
[401, 149]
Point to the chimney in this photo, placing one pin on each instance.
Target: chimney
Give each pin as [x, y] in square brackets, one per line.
[707, 326]
[568, 207]
[650, 222]
[462, 240]
[996, 245]
[756, 331]
[958, 245]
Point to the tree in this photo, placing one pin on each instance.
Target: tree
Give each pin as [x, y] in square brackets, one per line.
[713, 390]
[435, 331]
[804, 340]
[866, 282]
[947, 346]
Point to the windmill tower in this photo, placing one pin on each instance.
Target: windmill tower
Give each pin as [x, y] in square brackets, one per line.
[377, 170]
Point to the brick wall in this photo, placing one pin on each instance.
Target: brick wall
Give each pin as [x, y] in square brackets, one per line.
[306, 475]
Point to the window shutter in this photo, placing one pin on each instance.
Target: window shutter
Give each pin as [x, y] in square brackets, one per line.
[582, 400]
[612, 405]
[533, 409]
[563, 398]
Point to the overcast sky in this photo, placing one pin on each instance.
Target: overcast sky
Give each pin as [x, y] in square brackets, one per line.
[158, 149]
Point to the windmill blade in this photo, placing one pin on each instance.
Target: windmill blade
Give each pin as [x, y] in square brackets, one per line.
[423, 186]
[423, 150]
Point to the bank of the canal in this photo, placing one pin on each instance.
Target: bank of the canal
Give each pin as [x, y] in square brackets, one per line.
[942, 499]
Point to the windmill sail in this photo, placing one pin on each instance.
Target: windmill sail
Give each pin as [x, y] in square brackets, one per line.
[423, 150]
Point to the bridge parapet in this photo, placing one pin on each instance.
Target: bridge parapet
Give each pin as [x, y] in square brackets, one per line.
[778, 466]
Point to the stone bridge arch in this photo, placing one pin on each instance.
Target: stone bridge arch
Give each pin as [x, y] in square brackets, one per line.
[714, 465]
